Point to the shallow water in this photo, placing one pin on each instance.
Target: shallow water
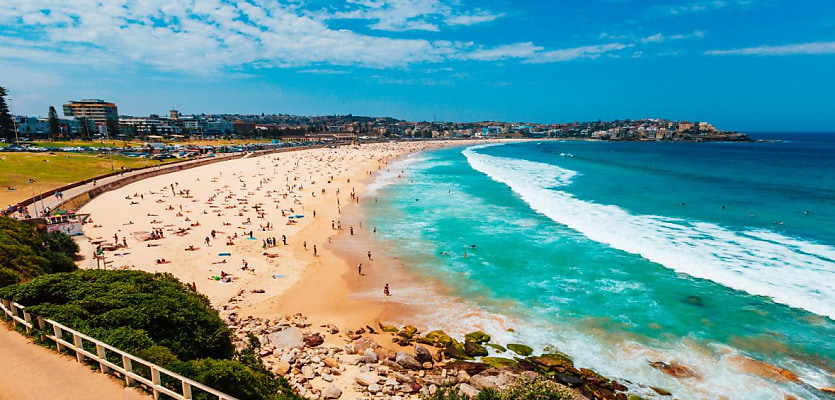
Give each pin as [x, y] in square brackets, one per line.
[624, 253]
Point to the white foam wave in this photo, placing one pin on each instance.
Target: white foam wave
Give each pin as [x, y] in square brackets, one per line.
[788, 270]
[389, 174]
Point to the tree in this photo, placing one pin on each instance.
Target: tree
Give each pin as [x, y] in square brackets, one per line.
[54, 124]
[112, 128]
[6, 124]
[84, 128]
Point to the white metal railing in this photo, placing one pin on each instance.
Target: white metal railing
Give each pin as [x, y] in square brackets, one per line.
[128, 361]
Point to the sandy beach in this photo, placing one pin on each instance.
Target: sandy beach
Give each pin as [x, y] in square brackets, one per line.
[262, 236]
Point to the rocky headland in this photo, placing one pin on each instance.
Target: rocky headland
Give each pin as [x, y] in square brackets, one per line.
[386, 362]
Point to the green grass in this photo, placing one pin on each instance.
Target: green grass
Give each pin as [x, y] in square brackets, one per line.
[51, 171]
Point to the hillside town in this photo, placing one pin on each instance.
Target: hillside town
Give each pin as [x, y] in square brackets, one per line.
[94, 118]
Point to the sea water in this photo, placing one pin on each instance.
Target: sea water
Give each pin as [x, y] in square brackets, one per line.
[621, 254]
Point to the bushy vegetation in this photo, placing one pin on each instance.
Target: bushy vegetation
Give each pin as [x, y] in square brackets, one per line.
[26, 254]
[155, 317]
[540, 389]
[132, 310]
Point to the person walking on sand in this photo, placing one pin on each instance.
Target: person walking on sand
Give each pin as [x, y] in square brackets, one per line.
[207, 240]
[315, 251]
[359, 269]
[284, 239]
[386, 290]
[369, 255]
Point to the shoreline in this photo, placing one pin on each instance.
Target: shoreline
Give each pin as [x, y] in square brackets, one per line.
[291, 278]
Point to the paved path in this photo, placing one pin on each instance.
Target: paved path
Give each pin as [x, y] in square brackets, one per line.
[31, 372]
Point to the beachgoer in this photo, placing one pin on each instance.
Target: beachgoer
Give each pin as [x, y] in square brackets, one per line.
[386, 290]
[369, 255]
[315, 251]
[359, 269]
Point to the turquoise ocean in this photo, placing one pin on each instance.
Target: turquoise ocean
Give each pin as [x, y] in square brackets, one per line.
[621, 254]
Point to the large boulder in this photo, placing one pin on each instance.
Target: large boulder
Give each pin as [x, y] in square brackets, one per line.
[439, 338]
[281, 368]
[456, 350]
[367, 378]
[330, 391]
[287, 339]
[494, 379]
[477, 337]
[370, 357]
[407, 361]
[473, 349]
[520, 349]
[468, 390]
[471, 368]
[674, 369]
[363, 344]
[423, 354]
[313, 340]
[552, 362]
[408, 331]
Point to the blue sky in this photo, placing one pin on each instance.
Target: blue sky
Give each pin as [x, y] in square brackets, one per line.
[749, 65]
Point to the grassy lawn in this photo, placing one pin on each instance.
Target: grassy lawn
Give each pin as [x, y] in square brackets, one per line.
[54, 170]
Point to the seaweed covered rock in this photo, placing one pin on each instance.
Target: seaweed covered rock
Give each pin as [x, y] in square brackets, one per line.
[474, 349]
[520, 349]
[477, 337]
[387, 328]
[498, 348]
[498, 362]
[456, 350]
[552, 362]
[439, 338]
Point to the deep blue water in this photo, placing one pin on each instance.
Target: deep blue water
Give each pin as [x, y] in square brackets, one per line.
[624, 253]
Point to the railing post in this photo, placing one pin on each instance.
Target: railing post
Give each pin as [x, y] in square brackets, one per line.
[58, 336]
[155, 380]
[187, 391]
[7, 307]
[102, 358]
[41, 323]
[27, 317]
[79, 345]
[128, 367]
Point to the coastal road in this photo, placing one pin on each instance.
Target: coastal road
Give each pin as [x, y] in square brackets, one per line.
[31, 372]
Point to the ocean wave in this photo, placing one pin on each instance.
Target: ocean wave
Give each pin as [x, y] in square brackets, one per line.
[788, 270]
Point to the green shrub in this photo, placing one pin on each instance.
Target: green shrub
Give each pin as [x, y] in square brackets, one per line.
[540, 389]
[24, 254]
[129, 309]
[238, 379]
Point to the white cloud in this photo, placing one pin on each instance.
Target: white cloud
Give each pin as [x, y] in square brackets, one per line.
[503, 52]
[575, 53]
[472, 19]
[212, 36]
[407, 15]
[785, 50]
[660, 37]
